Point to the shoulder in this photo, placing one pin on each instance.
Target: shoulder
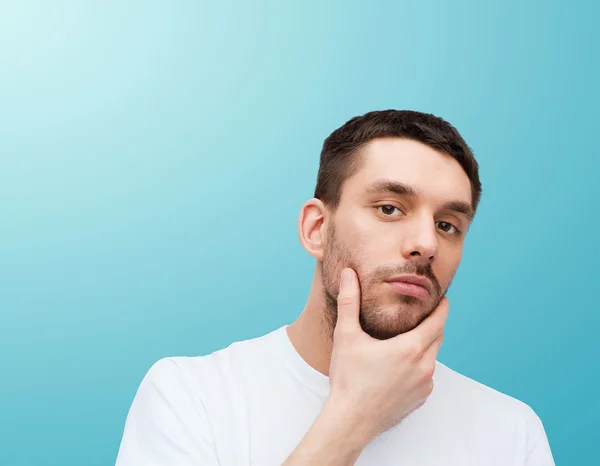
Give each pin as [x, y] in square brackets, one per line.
[482, 400]
[192, 389]
[499, 422]
[217, 369]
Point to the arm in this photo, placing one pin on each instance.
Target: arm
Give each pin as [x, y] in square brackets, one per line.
[336, 438]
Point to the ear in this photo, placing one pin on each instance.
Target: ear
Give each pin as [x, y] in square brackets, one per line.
[312, 227]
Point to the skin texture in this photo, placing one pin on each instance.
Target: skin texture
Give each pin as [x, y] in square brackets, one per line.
[378, 346]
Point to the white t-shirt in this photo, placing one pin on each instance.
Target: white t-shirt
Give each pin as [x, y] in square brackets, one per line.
[252, 403]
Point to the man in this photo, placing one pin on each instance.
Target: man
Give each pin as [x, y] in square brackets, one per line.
[354, 380]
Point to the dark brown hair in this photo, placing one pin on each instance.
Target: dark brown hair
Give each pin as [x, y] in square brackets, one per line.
[340, 156]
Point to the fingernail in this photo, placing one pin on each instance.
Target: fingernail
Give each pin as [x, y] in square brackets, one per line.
[346, 277]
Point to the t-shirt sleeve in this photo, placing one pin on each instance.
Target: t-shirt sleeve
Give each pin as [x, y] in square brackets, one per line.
[539, 453]
[167, 424]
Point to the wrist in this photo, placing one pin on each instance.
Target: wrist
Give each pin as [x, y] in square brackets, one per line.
[344, 418]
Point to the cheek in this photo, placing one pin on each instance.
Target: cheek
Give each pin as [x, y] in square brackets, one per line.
[377, 251]
[447, 267]
[372, 239]
[338, 258]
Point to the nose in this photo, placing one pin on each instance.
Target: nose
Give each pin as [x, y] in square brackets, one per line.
[420, 241]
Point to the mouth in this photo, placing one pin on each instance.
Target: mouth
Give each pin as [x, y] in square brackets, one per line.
[411, 285]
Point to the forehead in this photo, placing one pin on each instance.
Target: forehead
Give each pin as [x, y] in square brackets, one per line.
[437, 175]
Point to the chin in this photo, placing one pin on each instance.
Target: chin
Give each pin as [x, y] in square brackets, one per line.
[387, 329]
[384, 323]
[382, 333]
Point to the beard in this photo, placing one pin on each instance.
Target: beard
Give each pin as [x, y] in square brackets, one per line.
[385, 314]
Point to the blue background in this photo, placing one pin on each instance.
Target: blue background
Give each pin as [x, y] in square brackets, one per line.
[154, 157]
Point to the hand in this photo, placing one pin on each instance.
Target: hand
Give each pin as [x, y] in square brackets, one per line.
[381, 381]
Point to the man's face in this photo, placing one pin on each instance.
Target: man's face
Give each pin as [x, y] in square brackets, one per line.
[403, 213]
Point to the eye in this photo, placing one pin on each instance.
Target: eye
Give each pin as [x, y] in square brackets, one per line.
[388, 210]
[447, 227]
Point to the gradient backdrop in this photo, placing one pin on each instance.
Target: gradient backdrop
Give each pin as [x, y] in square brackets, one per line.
[154, 157]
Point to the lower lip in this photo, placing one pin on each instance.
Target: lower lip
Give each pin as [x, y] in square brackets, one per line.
[409, 289]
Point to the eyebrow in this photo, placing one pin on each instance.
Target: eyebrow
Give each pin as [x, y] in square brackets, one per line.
[460, 207]
[401, 189]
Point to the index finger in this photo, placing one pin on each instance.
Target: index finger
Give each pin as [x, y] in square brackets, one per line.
[348, 301]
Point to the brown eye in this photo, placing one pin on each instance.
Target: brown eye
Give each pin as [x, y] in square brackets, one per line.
[447, 227]
[388, 210]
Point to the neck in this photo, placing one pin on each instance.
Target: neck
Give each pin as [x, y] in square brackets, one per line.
[311, 333]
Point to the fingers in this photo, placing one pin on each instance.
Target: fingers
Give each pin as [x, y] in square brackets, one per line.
[348, 301]
[428, 331]
[433, 350]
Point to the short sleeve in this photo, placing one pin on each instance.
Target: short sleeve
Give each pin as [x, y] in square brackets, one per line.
[538, 453]
[166, 424]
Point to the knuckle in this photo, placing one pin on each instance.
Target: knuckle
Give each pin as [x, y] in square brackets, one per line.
[343, 332]
[345, 300]
[429, 387]
[416, 349]
[411, 352]
[427, 373]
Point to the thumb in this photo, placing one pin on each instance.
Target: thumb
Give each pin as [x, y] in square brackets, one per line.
[348, 301]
